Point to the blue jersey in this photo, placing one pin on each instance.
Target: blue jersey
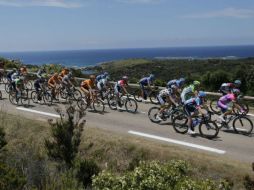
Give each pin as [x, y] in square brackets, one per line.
[145, 81]
[194, 102]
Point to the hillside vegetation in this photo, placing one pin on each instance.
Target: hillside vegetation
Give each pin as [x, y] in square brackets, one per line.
[211, 72]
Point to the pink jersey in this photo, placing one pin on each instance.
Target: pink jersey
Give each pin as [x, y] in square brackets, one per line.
[227, 98]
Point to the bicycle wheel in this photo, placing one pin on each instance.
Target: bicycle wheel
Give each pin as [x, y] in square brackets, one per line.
[76, 94]
[131, 105]
[243, 125]
[25, 101]
[34, 97]
[63, 93]
[137, 95]
[175, 113]
[180, 123]
[153, 98]
[214, 107]
[8, 87]
[82, 103]
[208, 129]
[112, 102]
[29, 85]
[47, 98]
[152, 113]
[13, 98]
[98, 106]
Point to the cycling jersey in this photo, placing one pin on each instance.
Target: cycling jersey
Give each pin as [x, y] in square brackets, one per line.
[102, 83]
[192, 104]
[225, 100]
[37, 84]
[101, 76]
[52, 80]
[87, 83]
[9, 74]
[187, 93]
[163, 94]
[118, 86]
[15, 76]
[145, 81]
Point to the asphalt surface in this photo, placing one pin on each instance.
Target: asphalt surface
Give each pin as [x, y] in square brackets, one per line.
[228, 144]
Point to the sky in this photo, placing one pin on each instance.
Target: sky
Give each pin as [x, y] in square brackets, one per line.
[35, 25]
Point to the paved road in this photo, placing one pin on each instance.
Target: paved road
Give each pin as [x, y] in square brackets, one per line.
[228, 144]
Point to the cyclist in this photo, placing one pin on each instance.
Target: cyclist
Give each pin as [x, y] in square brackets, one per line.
[41, 72]
[102, 76]
[192, 107]
[64, 72]
[38, 85]
[120, 88]
[52, 83]
[15, 76]
[228, 87]
[66, 81]
[19, 85]
[176, 84]
[146, 81]
[9, 74]
[166, 96]
[102, 85]
[226, 102]
[88, 86]
[190, 91]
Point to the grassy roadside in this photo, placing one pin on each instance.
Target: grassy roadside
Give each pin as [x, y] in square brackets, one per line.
[121, 153]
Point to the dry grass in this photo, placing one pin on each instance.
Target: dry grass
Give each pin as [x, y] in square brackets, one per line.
[120, 153]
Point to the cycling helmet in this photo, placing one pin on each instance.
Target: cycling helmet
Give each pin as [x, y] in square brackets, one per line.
[69, 74]
[236, 91]
[125, 78]
[196, 83]
[201, 94]
[181, 81]
[105, 74]
[237, 82]
[151, 76]
[92, 77]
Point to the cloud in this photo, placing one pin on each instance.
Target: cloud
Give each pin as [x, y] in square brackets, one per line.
[139, 1]
[41, 3]
[225, 13]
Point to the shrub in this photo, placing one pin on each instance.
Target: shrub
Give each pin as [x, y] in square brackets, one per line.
[10, 179]
[85, 170]
[248, 183]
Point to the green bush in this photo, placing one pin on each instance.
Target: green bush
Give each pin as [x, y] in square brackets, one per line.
[10, 179]
[155, 176]
[85, 170]
[248, 183]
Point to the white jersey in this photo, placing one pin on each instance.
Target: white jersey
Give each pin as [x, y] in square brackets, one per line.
[164, 93]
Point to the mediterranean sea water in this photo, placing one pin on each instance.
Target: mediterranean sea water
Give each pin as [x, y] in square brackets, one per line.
[82, 58]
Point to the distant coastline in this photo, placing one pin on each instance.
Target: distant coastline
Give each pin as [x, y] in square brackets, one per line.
[83, 58]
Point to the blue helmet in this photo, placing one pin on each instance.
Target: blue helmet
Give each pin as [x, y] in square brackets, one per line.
[237, 83]
[181, 81]
[151, 76]
[105, 74]
[201, 94]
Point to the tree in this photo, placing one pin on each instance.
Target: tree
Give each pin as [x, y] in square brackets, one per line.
[66, 137]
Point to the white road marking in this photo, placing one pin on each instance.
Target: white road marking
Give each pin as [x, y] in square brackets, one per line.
[178, 142]
[39, 112]
[251, 115]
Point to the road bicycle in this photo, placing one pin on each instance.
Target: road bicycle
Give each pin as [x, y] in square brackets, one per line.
[69, 93]
[149, 93]
[19, 98]
[207, 127]
[240, 122]
[43, 95]
[95, 103]
[168, 112]
[129, 103]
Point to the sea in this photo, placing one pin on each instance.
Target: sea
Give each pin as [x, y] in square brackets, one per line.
[83, 58]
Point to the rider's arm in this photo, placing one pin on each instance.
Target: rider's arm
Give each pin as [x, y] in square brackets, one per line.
[173, 100]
